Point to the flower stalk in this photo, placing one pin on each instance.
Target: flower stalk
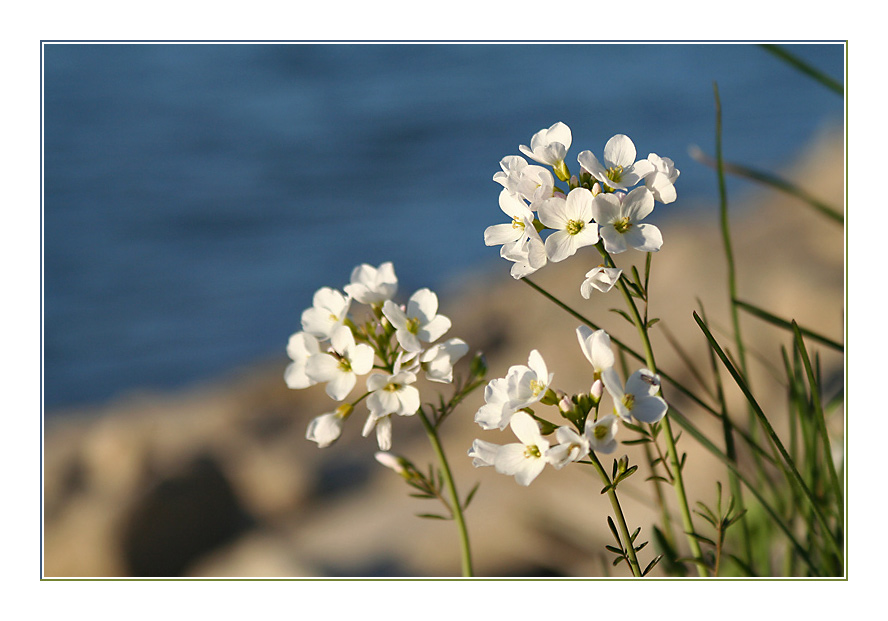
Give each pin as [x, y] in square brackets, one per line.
[455, 505]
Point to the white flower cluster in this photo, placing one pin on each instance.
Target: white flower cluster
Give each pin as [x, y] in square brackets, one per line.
[334, 348]
[598, 206]
[507, 402]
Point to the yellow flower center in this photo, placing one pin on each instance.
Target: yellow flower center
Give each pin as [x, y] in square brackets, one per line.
[532, 451]
[536, 387]
[629, 401]
[600, 432]
[575, 226]
[413, 325]
[517, 223]
[614, 173]
[623, 224]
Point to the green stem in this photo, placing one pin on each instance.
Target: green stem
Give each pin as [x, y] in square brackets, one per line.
[677, 477]
[455, 505]
[628, 545]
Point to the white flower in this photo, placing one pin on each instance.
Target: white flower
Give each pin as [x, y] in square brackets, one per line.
[300, 348]
[392, 394]
[328, 311]
[596, 347]
[528, 384]
[601, 278]
[528, 253]
[483, 453]
[619, 220]
[439, 359]
[601, 434]
[638, 400]
[660, 181]
[572, 447]
[341, 367]
[529, 181]
[524, 460]
[372, 285]
[571, 218]
[620, 170]
[496, 411]
[549, 146]
[420, 321]
[325, 429]
[512, 231]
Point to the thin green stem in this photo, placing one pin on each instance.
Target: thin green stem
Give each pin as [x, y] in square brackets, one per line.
[455, 504]
[812, 72]
[759, 451]
[672, 451]
[820, 420]
[792, 472]
[628, 545]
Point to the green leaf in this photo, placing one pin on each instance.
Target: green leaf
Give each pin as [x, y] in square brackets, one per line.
[651, 565]
[471, 495]
[652, 321]
[788, 325]
[433, 516]
[623, 314]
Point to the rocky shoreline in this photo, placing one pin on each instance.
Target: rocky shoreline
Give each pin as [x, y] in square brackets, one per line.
[219, 481]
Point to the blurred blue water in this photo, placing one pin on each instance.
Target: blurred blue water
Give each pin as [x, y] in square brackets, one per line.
[195, 196]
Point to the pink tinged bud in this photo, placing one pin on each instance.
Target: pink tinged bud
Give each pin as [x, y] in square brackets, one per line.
[597, 389]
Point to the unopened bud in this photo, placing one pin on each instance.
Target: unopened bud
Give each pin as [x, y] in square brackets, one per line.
[398, 464]
[549, 398]
[596, 391]
[478, 366]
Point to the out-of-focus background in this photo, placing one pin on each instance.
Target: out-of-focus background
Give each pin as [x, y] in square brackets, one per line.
[195, 196]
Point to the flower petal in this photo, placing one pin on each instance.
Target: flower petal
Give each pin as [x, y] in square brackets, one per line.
[619, 151]
[423, 305]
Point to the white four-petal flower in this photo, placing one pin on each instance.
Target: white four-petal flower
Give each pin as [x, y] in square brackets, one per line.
[373, 285]
[619, 170]
[419, 322]
[601, 434]
[510, 232]
[619, 221]
[528, 384]
[638, 400]
[328, 311]
[340, 368]
[526, 459]
[600, 278]
[572, 447]
[660, 181]
[549, 146]
[571, 218]
[438, 360]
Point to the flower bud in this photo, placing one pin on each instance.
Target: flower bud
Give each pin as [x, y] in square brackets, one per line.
[398, 464]
[596, 391]
[478, 366]
[549, 398]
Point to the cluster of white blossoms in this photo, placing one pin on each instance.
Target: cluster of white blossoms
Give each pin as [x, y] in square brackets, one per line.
[604, 204]
[508, 400]
[390, 344]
